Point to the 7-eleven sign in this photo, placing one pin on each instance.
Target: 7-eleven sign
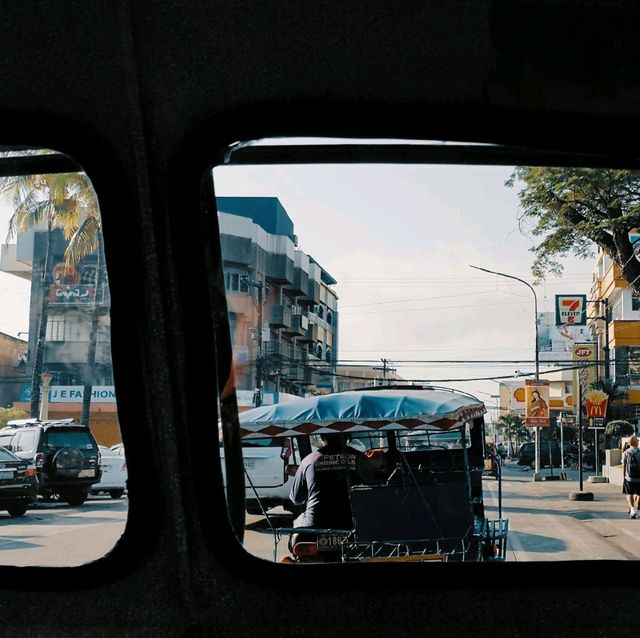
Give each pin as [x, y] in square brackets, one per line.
[571, 310]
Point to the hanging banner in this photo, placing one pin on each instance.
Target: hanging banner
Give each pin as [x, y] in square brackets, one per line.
[571, 310]
[537, 403]
[584, 375]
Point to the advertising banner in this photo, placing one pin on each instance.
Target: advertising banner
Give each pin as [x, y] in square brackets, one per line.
[537, 403]
[571, 310]
[583, 376]
[595, 402]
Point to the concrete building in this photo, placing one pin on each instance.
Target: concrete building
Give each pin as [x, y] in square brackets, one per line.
[360, 377]
[614, 319]
[72, 297]
[283, 312]
[13, 365]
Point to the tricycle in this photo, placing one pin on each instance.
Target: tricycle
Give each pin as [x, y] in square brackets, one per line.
[422, 498]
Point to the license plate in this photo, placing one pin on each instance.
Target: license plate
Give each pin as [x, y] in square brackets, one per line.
[86, 473]
[330, 542]
[6, 474]
[250, 464]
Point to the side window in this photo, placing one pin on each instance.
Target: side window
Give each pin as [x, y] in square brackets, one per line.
[55, 345]
[25, 441]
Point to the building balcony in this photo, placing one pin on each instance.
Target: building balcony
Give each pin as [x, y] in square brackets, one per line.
[300, 284]
[299, 326]
[310, 335]
[624, 333]
[279, 316]
[279, 269]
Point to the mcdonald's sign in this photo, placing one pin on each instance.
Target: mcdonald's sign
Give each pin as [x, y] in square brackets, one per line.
[596, 403]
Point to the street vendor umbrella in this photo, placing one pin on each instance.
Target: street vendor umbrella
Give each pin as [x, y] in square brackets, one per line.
[437, 409]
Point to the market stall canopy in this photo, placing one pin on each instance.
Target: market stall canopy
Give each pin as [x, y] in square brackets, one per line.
[434, 409]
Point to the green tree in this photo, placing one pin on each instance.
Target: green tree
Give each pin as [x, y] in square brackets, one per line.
[612, 389]
[8, 414]
[573, 210]
[515, 429]
[63, 201]
[619, 427]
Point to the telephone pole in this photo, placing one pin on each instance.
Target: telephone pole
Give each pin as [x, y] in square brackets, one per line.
[259, 286]
[385, 368]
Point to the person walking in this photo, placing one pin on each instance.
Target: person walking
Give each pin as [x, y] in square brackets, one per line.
[631, 473]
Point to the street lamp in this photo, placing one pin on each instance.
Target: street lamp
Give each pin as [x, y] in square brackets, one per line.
[537, 356]
[46, 378]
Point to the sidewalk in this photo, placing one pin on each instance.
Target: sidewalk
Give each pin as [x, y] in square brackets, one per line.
[544, 524]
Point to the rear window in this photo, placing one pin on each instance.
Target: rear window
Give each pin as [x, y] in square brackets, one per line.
[77, 439]
[6, 456]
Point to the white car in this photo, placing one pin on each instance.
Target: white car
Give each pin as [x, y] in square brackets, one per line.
[114, 472]
[268, 464]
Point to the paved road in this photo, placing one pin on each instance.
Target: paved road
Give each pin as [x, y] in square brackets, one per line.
[58, 535]
[544, 524]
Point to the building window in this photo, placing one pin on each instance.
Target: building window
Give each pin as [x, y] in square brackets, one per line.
[635, 302]
[235, 280]
[319, 351]
[329, 317]
[60, 328]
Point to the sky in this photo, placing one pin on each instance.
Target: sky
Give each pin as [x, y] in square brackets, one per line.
[400, 239]
[14, 291]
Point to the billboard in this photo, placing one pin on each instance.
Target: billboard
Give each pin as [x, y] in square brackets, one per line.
[536, 402]
[555, 343]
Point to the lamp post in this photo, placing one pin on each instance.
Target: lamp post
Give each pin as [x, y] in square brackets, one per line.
[46, 378]
[536, 476]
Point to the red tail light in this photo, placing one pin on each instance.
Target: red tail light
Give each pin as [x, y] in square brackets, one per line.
[39, 460]
[305, 549]
[30, 471]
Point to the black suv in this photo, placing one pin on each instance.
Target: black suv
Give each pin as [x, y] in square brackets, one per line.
[65, 455]
[527, 454]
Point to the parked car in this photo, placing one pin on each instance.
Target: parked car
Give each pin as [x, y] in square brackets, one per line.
[113, 466]
[18, 483]
[65, 455]
[527, 454]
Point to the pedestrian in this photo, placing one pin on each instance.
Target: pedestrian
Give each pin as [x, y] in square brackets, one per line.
[631, 474]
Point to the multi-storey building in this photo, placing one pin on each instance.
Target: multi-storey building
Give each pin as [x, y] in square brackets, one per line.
[72, 300]
[283, 312]
[614, 317]
[13, 364]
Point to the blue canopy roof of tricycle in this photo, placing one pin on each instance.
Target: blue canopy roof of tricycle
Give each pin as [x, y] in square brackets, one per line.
[438, 409]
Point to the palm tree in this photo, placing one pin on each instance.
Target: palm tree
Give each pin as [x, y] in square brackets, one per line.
[63, 201]
[514, 427]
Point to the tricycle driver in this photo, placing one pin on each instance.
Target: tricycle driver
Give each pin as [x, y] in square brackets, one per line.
[323, 480]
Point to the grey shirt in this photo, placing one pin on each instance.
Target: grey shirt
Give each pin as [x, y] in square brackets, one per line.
[626, 456]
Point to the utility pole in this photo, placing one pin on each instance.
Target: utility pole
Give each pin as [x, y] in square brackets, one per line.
[385, 368]
[259, 286]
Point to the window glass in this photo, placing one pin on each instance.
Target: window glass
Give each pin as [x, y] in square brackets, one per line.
[55, 349]
[462, 275]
